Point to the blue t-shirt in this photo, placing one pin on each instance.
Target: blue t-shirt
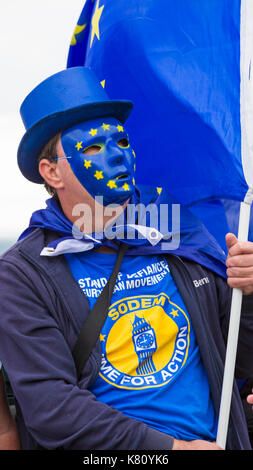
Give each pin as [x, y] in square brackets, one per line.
[151, 366]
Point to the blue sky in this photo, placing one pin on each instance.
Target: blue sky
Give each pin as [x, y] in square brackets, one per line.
[34, 42]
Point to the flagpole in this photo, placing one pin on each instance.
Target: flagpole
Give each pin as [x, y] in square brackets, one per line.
[234, 324]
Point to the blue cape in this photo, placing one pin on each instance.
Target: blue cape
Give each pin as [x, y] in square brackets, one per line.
[196, 243]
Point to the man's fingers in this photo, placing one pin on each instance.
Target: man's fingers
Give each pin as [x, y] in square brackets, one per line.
[240, 248]
[231, 240]
[240, 261]
[244, 271]
[250, 398]
[245, 284]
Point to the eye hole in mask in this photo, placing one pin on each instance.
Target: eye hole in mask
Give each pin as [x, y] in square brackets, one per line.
[96, 148]
[123, 143]
[93, 149]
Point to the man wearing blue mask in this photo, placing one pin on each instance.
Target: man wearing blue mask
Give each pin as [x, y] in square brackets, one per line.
[97, 154]
[153, 376]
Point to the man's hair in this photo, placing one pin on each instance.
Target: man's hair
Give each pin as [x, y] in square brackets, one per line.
[49, 152]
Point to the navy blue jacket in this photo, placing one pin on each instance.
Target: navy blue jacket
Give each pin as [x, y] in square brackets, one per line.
[42, 312]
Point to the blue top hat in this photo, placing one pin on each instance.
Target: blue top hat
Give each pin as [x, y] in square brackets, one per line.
[61, 101]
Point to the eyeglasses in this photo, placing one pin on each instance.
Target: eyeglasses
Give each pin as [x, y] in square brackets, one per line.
[56, 158]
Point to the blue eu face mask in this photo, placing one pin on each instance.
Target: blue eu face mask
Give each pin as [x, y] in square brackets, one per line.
[101, 158]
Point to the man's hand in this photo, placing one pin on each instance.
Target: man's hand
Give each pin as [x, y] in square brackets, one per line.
[195, 445]
[250, 399]
[9, 438]
[240, 264]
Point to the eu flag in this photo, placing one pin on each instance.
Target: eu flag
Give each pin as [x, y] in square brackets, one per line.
[186, 65]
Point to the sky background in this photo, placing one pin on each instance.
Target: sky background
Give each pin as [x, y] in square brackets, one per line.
[34, 42]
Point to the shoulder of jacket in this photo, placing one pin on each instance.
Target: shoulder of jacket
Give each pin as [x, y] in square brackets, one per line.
[201, 275]
[32, 244]
[35, 238]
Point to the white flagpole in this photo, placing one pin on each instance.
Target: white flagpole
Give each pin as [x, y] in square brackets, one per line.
[232, 342]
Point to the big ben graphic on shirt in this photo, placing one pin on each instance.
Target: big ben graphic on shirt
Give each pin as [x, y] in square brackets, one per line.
[145, 341]
[145, 345]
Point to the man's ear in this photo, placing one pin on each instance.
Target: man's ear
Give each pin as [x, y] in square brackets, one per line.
[50, 173]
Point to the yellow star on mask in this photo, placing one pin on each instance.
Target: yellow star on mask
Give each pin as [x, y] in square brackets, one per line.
[106, 127]
[95, 22]
[79, 145]
[126, 187]
[99, 175]
[112, 184]
[120, 128]
[87, 164]
[93, 132]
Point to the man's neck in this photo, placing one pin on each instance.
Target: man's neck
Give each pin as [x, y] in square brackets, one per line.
[105, 249]
[90, 216]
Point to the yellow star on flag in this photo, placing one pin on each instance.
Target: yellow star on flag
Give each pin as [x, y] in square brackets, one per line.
[93, 132]
[106, 127]
[99, 175]
[126, 187]
[87, 164]
[112, 184]
[120, 128]
[78, 30]
[79, 145]
[95, 22]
